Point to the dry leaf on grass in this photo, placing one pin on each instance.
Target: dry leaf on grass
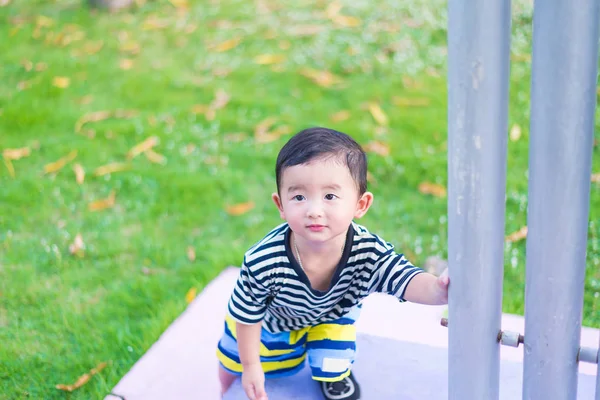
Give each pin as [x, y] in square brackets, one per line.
[346, 21]
[126, 64]
[4, 3]
[378, 148]
[79, 173]
[16, 154]
[518, 235]
[333, 9]
[596, 177]
[181, 4]
[9, 167]
[111, 168]
[59, 164]
[97, 116]
[82, 379]
[155, 157]
[226, 45]
[61, 82]
[191, 253]
[515, 133]
[340, 116]
[266, 59]
[103, 204]
[410, 102]
[325, 79]
[305, 30]
[235, 137]
[142, 147]
[433, 189]
[264, 134]
[191, 295]
[240, 208]
[378, 115]
[77, 248]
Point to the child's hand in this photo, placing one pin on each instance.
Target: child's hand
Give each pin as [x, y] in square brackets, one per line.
[253, 382]
[442, 283]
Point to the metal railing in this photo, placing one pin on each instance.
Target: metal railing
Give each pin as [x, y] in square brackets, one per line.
[563, 100]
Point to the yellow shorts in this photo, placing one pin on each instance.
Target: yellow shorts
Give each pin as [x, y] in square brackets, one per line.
[331, 349]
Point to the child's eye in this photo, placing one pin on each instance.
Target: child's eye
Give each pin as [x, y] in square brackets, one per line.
[298, 197]
[330, 196]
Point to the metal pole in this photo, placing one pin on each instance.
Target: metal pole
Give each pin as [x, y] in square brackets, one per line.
[478, 71]
[563, 96]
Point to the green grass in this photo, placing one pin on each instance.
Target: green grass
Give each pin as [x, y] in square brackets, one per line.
[61, 315]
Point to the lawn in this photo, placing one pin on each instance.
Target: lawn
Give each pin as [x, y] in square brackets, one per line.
[143, 154]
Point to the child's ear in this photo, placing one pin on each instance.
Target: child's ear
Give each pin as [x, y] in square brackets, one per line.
[277, 201]
[363, 204]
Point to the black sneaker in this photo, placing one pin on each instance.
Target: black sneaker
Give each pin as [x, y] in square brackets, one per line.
[346, 389]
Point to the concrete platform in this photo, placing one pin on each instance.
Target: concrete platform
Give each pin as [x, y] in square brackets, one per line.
[401, 345]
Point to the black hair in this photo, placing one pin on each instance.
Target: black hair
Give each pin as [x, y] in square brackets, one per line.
[317, 143]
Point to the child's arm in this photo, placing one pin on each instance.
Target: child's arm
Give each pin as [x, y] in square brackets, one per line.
[428, 289]
[253, 377]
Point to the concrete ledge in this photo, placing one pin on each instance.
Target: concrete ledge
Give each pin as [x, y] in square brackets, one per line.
[402, 354]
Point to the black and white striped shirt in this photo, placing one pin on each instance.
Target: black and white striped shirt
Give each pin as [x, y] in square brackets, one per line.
[272, 287]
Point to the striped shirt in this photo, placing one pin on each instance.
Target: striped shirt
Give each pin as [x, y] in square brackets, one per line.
[273, 288]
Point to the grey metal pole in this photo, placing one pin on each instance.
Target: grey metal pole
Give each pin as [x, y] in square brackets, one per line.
[478, 72]
[563, 94]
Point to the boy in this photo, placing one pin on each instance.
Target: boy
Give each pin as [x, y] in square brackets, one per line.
[300, 288]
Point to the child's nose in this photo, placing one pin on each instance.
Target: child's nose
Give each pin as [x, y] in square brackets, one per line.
[315, 209]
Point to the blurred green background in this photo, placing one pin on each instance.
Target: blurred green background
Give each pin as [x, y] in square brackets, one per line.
[138, 156]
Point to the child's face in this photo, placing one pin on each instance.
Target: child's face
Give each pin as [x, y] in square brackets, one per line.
[320, 199]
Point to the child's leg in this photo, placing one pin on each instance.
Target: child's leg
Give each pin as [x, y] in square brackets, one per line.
[226, 379]
[331, 349]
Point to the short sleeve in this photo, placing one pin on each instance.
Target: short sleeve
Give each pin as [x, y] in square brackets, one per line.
[248, 302]
[392, 274]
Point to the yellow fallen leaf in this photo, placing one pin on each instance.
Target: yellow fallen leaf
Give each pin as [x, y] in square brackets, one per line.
[154, 157]
[433, 189]
[97, 116]
[410, 102]
[44, 21]
[79, 173]
[103, 204]
[596, 177]
[130, 48]
[378, 115]
[4, 3]
[61, 82]
[333, 9]
[191, 295]
[41, 66]
[180, 3]
[515, 133]
[142, 147]
[199, 108]
[27, 65]
[266, 59]
[9, 167]
[239, 209]
[518, 235]
[154, 23]
[305, 30]
[77, 248]
[85, 100]
[191, 254]
[110, 169]
[371, 178]
[91, 48]
[126, 64]
[340, 116]
[264, 134]
[82, 379]
[322, 78]
[220, 101]
[284, 44]
[227, 45]
[235, 137]
[378, 148]
[60, 163]
[16, 154]
[346, 21]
